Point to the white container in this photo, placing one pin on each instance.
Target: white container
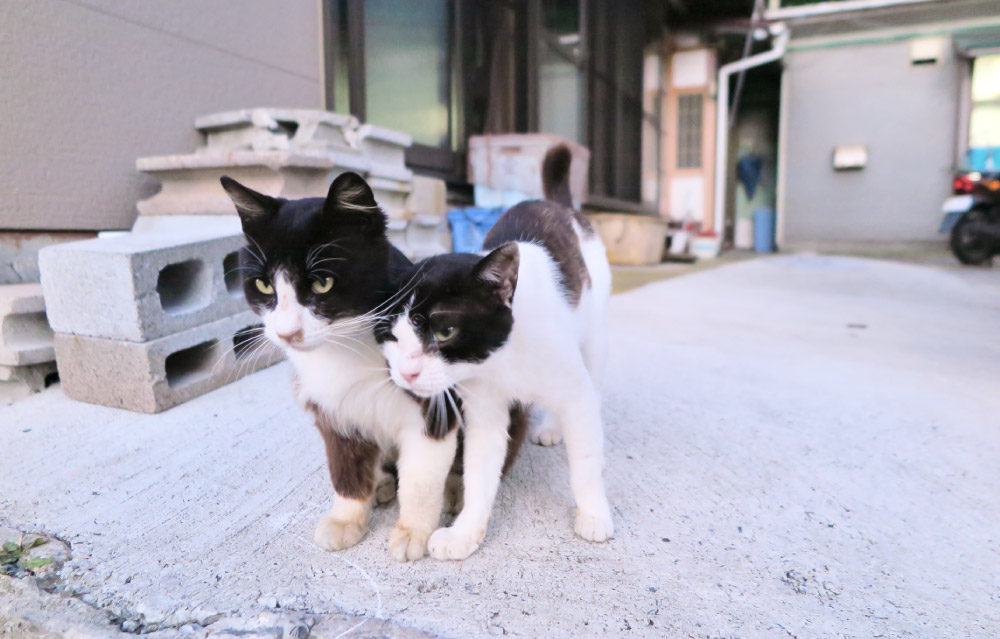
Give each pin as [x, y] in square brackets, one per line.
[705, 247]
[743, 238]
[514, 163]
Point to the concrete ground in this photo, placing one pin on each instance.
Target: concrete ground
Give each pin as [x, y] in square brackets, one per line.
[799, 446]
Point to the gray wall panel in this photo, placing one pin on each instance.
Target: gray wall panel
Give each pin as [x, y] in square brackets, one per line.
[906, 115]
[89, 86]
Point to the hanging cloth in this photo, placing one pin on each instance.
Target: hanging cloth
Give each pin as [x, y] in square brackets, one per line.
[748, 170]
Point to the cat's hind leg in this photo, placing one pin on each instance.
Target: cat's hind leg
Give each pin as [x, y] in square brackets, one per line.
[578, 405]
[545, 428]
[385, 481]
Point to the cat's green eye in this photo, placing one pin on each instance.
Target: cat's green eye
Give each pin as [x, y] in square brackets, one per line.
[264, 287]
[445, 334]
[324, 286]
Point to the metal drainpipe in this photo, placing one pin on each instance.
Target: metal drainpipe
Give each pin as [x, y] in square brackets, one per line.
[780, 33]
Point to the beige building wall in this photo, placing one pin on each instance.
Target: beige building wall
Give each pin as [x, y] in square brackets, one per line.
[87, 86]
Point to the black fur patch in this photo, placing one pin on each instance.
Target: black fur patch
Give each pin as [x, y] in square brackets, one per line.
[341, 236]
[447, 292]
[551, 226]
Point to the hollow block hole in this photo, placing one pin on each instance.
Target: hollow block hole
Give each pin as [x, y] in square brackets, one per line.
[184, 287]
[233, 274]
[245, 339]
[190, 365]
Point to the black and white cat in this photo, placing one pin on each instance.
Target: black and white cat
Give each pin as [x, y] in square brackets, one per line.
[320, 272]
[526, 323]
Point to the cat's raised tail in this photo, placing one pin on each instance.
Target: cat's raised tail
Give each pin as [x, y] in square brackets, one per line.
[555, 175]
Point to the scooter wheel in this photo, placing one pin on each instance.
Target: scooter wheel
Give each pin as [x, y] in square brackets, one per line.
[969, 247]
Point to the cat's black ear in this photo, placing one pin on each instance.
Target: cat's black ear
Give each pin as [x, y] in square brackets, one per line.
[252, 206]
[350, 191]
[499, 270]
[351, 200]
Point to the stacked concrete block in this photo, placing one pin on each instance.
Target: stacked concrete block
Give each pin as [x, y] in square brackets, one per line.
[389, 178]
[385, 150]
[392, 195]
[427, 231]
[291, 153]
[152, 376]
[265, 129]
[428, 196]
[191, 182]
[145, 321]
[428, 235]
[27, 358]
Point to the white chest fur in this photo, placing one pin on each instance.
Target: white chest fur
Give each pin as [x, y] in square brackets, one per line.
[354, 389]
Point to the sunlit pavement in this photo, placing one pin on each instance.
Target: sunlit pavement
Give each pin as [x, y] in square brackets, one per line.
[796, 446]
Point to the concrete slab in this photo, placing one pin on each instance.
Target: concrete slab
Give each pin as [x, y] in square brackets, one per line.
[267, 128]
[18, 382]
[25, 335]
[191, 181]
[796, 447]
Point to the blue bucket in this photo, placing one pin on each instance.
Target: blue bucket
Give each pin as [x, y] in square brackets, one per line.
[763, 230]
[469, 226]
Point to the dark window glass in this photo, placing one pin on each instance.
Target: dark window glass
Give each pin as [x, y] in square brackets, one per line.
[689, 131]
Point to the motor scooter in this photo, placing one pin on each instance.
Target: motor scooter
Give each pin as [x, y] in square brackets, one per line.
[972, 216]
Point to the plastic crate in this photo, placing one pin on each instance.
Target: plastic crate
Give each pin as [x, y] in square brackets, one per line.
[514, 163]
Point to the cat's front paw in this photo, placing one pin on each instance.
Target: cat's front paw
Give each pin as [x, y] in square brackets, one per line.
[337, 534]
[449, 543]
[407, 544]
[594, 527]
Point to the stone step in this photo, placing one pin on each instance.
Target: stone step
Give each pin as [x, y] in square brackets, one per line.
[153, 376]
[18, 382]
[277, 129]
[25, 335]
[191, 181]
[142, 286]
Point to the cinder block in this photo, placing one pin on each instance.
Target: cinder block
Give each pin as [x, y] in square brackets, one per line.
[25, 336]
[18, 382]
[396, 232]
[428, 235]
[19, 253]
[391, 195]
[191, 181]
[276, 129]
[384, 148]
[428, 196]
[153, 376]
[141, 286]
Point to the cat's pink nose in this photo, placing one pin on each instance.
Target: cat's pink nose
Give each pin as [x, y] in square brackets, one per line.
[409, 378]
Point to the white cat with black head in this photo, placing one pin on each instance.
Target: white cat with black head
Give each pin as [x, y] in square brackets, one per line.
[320, 272]
[523, 324]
